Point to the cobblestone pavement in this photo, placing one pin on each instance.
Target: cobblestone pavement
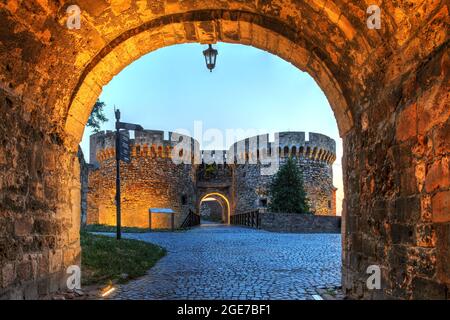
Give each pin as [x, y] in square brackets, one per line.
[227, 262]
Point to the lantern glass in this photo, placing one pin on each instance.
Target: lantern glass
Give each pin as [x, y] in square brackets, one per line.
[210, 57]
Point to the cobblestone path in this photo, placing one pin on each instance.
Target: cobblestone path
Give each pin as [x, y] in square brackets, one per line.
[227, 262]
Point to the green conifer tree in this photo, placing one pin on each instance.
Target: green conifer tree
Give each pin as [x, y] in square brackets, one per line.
[286, 191]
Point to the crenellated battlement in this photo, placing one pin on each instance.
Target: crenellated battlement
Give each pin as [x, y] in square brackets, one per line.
[139, 150]
[319, 147]
[151, 143]
[146, 143]
[214, 156]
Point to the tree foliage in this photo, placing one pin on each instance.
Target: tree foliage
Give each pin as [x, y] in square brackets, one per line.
[286, 191]
[97, 117]
[210, 170]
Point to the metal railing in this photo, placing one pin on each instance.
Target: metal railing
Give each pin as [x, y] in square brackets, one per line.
[249, 219]
[192, 220]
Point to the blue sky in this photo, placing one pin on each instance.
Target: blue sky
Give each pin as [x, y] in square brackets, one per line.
[171, 89]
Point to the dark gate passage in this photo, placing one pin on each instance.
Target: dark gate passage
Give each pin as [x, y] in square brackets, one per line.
[214, 208]
[214, 186]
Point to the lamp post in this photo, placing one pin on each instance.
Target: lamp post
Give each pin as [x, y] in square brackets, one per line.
[118, 197]
[210, 57]
[122, 154]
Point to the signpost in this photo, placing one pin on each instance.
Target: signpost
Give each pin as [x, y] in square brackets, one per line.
[124, 146]
[123, 153]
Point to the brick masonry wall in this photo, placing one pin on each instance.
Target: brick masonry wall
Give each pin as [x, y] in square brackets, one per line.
[304, 223]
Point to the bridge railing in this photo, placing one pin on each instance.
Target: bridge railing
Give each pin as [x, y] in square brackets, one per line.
[250, 219]
[191, 220]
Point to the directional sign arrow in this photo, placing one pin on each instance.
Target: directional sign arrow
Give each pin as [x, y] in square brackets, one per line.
[125, 158]
[128, 126]
[124, 148]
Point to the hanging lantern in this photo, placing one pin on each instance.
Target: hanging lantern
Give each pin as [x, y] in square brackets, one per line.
[210, 57]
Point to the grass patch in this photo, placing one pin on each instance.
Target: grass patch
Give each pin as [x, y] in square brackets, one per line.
[105, 259]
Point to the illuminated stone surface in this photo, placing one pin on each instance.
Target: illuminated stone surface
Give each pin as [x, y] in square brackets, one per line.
[375, 80]
[155, 179]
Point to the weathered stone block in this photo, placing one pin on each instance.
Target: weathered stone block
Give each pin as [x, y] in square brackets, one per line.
[433, 108]
[405, 210]
[55, 260]
[408, 182]
[24, 226]
[438, 175]
[402, 234]
[45, 227]
[443, 251]
[16, 293]
[428, 289]
[425, 207]
[441, 139]
[425, 235]
[24, 271]
[397, 256]
[43, 287]
[407, 123]
[57, 281]
[440, 203]
[8, 275]
[423, 260]
[30, 292]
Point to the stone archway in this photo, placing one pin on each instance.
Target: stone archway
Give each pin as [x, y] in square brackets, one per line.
[222, 200]
[204, 27]
[388, 89]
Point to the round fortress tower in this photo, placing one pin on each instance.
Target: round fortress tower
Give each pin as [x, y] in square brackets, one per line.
[256, 159]
[151, 180]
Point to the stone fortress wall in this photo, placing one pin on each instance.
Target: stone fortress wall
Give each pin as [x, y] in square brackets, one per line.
[156, 178]
[314, 157]
[151, 180]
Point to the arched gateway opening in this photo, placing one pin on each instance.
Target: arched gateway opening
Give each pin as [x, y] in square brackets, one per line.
[388, 89]
[216, 207]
